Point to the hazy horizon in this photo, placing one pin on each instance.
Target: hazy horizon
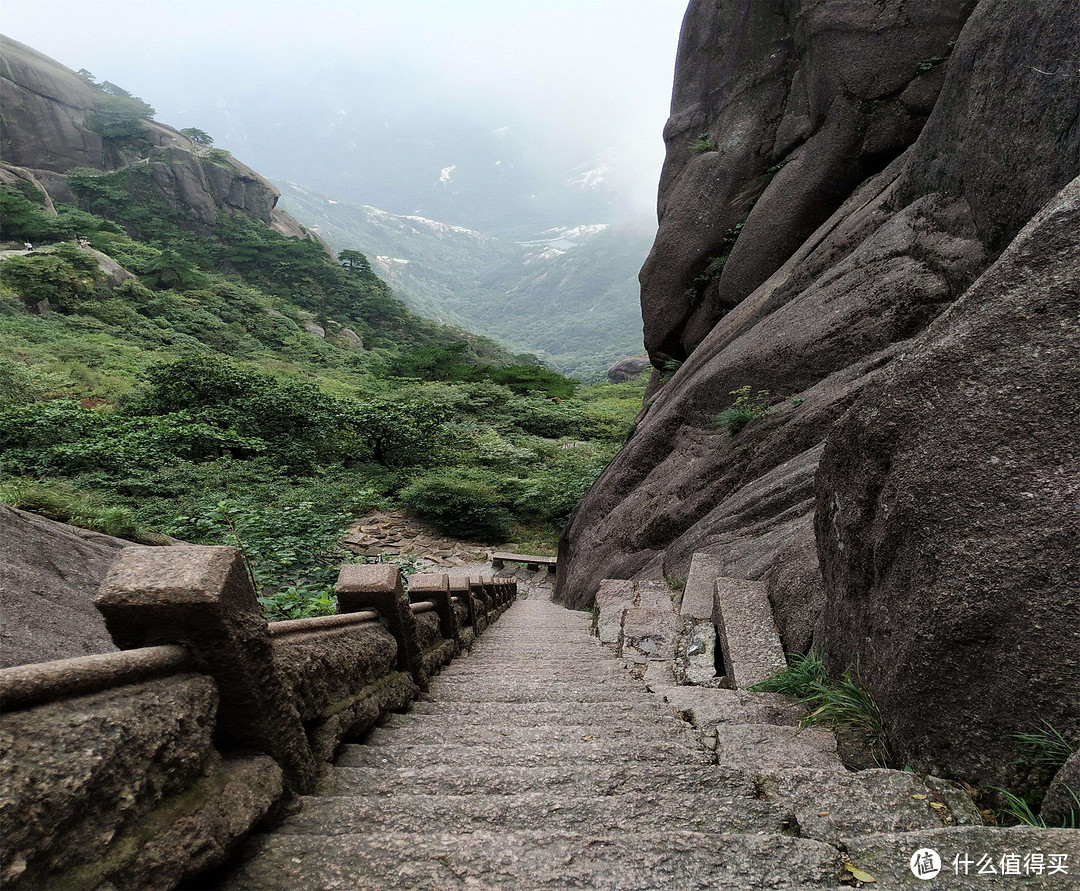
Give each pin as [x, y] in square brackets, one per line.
[373, 101]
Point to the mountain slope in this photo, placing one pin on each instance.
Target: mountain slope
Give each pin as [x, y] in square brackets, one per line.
[569, 295]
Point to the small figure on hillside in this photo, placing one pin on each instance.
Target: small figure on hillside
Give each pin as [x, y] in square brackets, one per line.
[28, 246]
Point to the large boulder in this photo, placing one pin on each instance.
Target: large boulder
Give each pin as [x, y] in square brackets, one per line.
[50, 573]
[627, 369]
[948, 521]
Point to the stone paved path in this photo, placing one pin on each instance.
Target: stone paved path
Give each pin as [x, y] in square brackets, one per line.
[539, 762]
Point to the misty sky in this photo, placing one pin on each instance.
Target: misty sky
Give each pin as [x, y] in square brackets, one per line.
[584, 78]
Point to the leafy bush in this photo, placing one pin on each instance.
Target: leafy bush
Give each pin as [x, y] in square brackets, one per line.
[66, 277]
[460, 502]
[703, 144]
[745, 409]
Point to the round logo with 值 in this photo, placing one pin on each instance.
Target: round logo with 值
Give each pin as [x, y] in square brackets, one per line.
[925, 864]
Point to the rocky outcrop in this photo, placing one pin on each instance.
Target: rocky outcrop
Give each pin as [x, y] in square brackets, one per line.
[947, 516]
[822, 316]
[627, 369]
[779, 110]
[49, 573]
[47, 130]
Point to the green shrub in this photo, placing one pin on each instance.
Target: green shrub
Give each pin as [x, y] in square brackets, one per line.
[745, 409]
[66, 277]
[460, 502]
[22, 218]
[703, 144]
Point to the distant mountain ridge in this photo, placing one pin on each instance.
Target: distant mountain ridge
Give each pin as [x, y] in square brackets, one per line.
[568, 294]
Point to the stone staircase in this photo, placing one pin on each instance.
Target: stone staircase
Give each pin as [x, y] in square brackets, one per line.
[541, 761]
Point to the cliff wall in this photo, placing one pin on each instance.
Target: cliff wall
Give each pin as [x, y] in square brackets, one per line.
[841, 183]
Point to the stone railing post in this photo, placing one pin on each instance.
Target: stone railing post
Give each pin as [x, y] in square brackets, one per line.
[492, 591]
[202, 598]
[435, 586]
[459, 587]
[378, 586]
[477, 589]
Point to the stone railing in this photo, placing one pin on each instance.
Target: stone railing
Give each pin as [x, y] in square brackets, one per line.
[142, 768]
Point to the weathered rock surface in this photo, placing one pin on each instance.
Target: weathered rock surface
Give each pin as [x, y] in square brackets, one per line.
[1060, 806]
[627, 369]
[49, 573]
[817, 311]
[106, 759]
[947, 516]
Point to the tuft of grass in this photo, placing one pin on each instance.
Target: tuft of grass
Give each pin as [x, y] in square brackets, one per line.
[743, 410]
[844, 703]
[64, 504]
[674, 584]
[1047, 747]
[1017, 810]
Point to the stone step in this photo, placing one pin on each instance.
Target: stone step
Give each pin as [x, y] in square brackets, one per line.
[767, 747]
[498, 755]
[431, 732]
[886, 856]
[549, 693]
[519, 713]
[834, 806]
[747, 632]
[564, 690]
[642, 860]
[361, 814]
[708, 706]
[585, 779]
[584, 668]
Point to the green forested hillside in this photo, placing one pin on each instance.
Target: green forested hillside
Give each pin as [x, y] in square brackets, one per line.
[159, 374]
[570, 297]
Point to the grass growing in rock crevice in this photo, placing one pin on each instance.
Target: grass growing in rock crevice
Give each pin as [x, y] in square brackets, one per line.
[842, 705]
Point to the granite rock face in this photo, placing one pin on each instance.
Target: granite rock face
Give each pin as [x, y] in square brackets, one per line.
[779, 110]
[947, 518]
[860, 252]
[50, 572]
[47, 131]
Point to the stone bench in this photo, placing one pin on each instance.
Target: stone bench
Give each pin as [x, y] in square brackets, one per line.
[531, 561]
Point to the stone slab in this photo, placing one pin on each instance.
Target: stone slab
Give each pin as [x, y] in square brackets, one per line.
[648, 632]
[833, 806]
[695, 661]
[612, 598]
[414, 811]
[748, 636]
[767, 747]
[886, 856]
[537, 860]
[700, 590]
[654, 594]
[708, 707]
